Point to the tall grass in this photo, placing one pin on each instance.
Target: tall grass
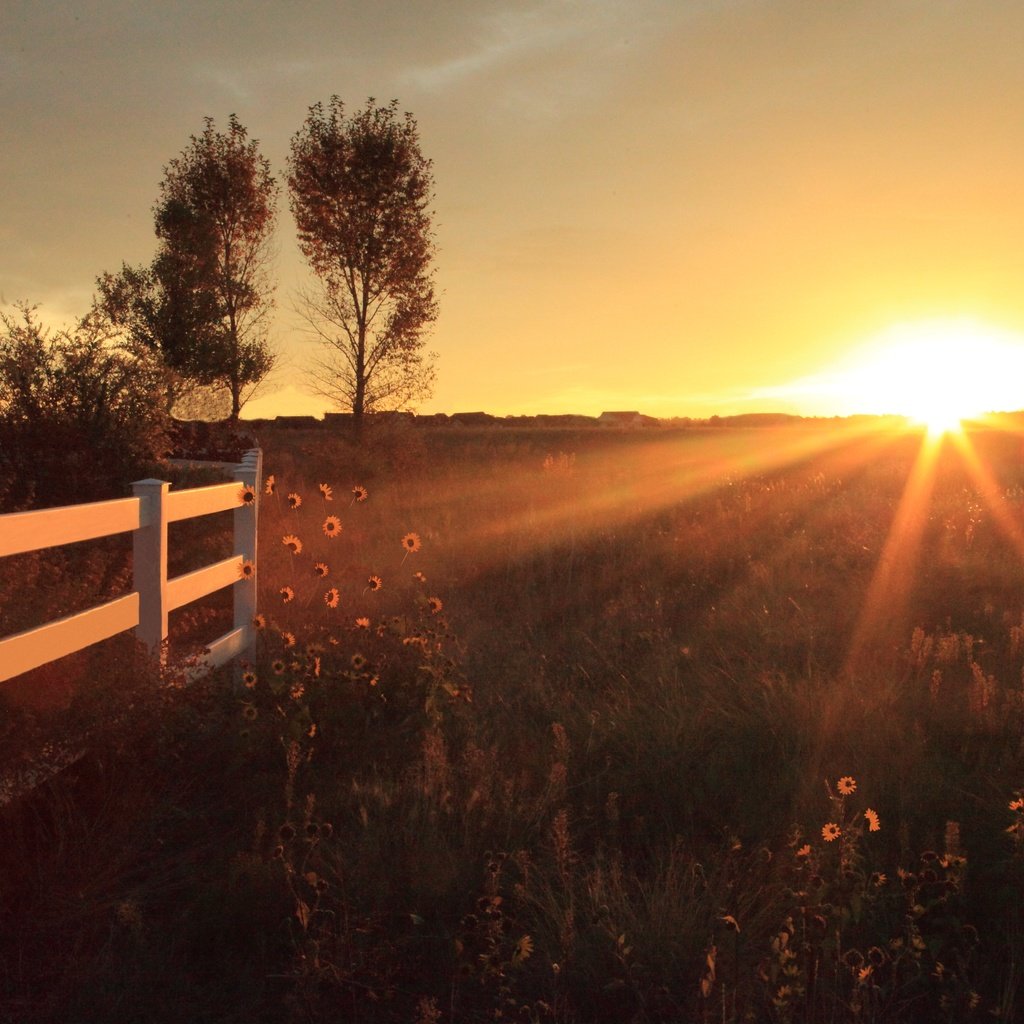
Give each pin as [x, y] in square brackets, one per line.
[594, 749]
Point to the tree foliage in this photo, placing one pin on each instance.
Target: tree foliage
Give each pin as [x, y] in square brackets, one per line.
[360, 190]
[205, 300]
[80, 412]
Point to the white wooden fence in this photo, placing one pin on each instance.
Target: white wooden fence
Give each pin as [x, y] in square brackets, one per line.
[145, 609]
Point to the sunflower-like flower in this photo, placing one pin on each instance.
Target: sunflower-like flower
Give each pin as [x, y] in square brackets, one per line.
[294, 500]
[1017, 804]
[847, 786]
[362, 622]
[804, 851]
[246, 570]
[297, 690]
[259, 621]
[326, 492]
[292, 543]
[332, 597]
[375, 583]
[358, 662]
[831, 832]
[288, 639]
[278, 667]
[249, 679]
[247, 496]
[874, 823]
[270, 487]
[360, 493]
[419, 577]
[435, 604]
[287, 594]
[320, 569]
[411, 542]
[332, 526]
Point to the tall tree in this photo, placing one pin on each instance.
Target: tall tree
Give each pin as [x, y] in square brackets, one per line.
[205, 300]
[360, 190]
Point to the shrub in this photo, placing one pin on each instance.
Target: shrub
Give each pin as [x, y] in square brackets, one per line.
[81, 414]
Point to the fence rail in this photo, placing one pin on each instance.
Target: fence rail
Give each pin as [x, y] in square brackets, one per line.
[146, 516]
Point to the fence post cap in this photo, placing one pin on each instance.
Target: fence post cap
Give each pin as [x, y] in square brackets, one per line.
[149, 482]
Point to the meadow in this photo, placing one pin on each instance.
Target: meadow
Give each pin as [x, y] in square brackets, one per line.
[548, 725]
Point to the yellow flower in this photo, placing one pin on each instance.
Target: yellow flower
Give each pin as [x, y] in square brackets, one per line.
[294, 500]
[287, 594]
[411, 542]
[278, 667]
[249, 679]
[435, 603]
[375, 583]
[874, 824]
[326, 493]
[320, 569]
[804, 851]
[288, 638]
[830, 832]
[332, 526]
[360, 493]
[419, 577]
[358, 662]
[259, 621]
[271, 485]
[290, 541]
[246, 570]
[332, 597]
[362, 622]
[1017, 805]
[297, 690]
[847, 786]
[247, 496]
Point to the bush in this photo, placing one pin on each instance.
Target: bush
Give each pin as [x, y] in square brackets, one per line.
[81, 414]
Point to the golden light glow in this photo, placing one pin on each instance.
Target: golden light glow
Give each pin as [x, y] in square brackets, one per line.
[937, 372]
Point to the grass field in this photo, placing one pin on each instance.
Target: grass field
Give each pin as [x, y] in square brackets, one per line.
[702, 725]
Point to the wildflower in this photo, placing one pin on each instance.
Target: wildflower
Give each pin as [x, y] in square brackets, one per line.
[874, 824]
[731, 923]
[290, 541]
[830, 832]
[332, 526]
[278, 667]
[287, 594]
[250, 712]
[271, 485]
[326, 492]
[288, 638]
[878, 879]
[435, 603]
[1017, 805]
[362, 622]
[360, 493]
[419, 577]
[259, 621]
[411, 543]
[294, 500]
[249, 679]
[246, 570]
[320, 569]
[316, 668]
[247, 496]
[332, 597]
[358, 662]
[297, 690]
[804, 851]
[375, 583]
[847, 786]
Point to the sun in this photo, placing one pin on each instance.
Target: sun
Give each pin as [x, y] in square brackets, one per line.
[938, 373]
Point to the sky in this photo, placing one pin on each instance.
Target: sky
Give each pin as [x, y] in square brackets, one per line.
[685, 207]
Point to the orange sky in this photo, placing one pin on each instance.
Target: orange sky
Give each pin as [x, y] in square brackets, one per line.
[686, 207]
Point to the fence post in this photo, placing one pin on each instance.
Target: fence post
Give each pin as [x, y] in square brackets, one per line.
[249, 471]
[149, 563]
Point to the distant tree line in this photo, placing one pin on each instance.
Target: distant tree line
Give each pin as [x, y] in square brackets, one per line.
[187, 334]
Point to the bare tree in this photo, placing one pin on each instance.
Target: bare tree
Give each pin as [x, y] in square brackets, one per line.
[360, 190]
